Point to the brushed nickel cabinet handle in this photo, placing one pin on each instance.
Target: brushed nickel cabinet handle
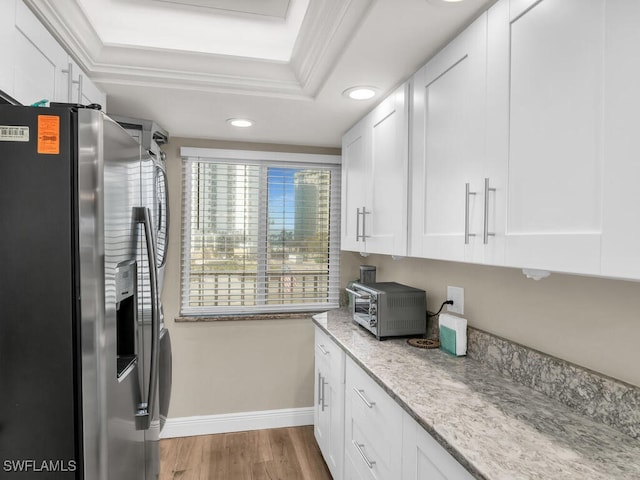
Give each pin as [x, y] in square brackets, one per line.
[359, 448]
[486, 233]
[467, 194]
[323, 405]
[364, 399]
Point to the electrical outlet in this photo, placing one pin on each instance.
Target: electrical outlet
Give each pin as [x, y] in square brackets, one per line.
[457, 295]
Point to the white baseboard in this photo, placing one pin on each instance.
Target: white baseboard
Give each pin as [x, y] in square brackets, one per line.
[236, 422]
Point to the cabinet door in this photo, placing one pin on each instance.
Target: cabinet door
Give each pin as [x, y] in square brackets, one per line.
[321, 426]
[329, 402]
[39, 61]
[621, 209]
[356, 153]
[424, 458]
[7, 52]
[333, 404]
[386, 215]
[555, 145]
[449, 150]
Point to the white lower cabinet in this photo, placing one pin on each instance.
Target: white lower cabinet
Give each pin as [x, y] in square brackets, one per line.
[423, 458]
[373, 428]
[363, 433]
[329, 402]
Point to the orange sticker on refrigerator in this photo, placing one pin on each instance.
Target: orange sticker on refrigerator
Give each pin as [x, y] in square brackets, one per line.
[49, 134]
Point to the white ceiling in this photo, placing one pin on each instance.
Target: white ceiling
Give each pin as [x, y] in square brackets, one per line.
[192, 64]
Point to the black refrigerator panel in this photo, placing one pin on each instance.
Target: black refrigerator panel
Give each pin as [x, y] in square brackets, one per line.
[40, 407]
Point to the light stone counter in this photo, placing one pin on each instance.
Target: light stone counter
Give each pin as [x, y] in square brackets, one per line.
[496, 428]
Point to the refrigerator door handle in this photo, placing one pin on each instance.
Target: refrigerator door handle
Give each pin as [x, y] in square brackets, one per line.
[144, 413]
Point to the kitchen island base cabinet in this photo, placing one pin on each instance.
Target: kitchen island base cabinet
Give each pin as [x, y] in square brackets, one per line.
[424, 458]
[329, 402]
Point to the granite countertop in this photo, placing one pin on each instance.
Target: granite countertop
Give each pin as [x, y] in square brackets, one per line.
[496, 428]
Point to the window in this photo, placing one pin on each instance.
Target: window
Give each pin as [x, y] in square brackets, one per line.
[260, 232]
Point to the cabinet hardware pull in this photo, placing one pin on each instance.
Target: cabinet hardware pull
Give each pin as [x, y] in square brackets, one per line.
[364, 223]
[467, 194]
[80, 89]
[359, 448]
[70, 82]
[487, 234]
[323, 405]
[364, 212]
[364, 399]
[322, 349]
[319, 388]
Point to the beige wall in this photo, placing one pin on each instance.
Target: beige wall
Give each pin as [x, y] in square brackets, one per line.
[592, 322]
[230, 367]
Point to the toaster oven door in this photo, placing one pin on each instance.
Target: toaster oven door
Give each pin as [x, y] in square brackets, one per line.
[363, 308]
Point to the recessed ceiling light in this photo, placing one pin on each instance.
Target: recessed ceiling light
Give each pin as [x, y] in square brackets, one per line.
[240, 122]
[360, 93]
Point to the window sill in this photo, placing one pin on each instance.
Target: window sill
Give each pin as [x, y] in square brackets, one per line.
[241, 317]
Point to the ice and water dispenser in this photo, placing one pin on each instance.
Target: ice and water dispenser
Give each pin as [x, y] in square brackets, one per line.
[126, 313]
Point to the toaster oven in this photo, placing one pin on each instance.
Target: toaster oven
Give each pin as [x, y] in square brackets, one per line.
[389, 309]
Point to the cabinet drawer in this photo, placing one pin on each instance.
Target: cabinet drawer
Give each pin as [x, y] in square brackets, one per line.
[371, 404]
[332, 355]
[374, 425]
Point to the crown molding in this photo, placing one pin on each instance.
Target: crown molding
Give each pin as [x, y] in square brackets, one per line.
[325, 33]
[326, 30]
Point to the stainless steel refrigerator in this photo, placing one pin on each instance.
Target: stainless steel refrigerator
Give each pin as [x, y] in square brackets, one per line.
[151, 137]
[75, 402]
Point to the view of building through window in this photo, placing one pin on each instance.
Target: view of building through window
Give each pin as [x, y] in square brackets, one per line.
[259, 235]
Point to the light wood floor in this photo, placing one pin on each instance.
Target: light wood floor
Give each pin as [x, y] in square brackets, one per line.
[281, 453]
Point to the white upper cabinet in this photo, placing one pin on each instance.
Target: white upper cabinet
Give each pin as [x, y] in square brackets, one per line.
[555, 194]
[456, 187]
[356, 149]
[375, 179]
[7, 52]
[621, 206]
[35, 66]
[38, 61]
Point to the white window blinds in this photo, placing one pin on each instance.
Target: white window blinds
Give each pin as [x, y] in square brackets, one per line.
[260, 232]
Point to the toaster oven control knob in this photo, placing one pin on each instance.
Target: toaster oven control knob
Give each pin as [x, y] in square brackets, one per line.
[373, 309]
[373, 321]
